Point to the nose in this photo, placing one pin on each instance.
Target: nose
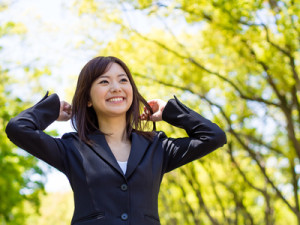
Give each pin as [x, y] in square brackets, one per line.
[115, 87]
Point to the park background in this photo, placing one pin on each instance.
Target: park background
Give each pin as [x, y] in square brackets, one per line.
[234, 61]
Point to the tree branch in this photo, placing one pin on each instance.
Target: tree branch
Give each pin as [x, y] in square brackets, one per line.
[239, 205]
[264, 192]
[195, 218]
[241, 172]
[295, 183]
[283, 103]
[260, 142]
[196, 188]
[263, 170]
[213, 185]
[190, 90]
[288, 54]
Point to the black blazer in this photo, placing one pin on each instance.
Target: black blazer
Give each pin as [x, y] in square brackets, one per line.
[102, 193]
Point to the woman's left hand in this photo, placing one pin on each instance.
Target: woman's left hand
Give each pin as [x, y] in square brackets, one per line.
[157, 106]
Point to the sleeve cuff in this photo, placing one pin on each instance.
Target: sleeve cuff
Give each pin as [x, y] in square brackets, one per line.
[43, 113]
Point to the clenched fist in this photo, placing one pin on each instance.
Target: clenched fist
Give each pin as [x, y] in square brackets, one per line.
[65, 111]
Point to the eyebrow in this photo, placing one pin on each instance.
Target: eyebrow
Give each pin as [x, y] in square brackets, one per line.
[120, 75]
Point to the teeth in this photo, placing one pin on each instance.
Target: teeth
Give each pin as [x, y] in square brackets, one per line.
[115, 99]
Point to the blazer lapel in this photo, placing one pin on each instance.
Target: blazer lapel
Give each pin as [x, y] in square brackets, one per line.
[139, 146]
[101, 148]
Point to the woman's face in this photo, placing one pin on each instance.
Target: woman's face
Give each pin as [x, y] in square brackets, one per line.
[111, 93]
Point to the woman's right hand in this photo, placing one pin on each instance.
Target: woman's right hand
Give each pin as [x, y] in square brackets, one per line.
[65, 111]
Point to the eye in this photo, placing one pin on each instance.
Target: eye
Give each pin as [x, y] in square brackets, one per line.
[124, 80]
[103, 82]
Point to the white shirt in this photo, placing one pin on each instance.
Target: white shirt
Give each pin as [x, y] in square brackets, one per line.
[123, 166]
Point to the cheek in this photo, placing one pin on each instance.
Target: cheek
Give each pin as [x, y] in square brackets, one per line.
[96, 97]
[97, 93]
[130, 93]
[129, 89]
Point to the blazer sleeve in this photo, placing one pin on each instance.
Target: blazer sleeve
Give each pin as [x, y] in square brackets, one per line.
[26, 131]
[204, 136]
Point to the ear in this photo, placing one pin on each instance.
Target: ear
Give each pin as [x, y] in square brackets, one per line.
[89, 104]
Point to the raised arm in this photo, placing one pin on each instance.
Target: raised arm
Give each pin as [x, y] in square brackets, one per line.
[26, 131]
[204, 136]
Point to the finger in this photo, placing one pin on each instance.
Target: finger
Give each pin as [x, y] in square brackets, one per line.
[146, 111]
[69, 110]
[144, 117]
[151, 103]
[156, 117]
[67, 116]
[68, 107]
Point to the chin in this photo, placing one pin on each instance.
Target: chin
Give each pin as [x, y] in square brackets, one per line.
[116, 113]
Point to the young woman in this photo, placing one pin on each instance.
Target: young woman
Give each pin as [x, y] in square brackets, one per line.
[114, 166]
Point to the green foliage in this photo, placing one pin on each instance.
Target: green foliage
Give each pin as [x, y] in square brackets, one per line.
[56, 208]
[12, 28]
[21, 180]
[17, 184]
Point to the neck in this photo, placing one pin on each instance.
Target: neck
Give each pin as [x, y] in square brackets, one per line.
[115, 128]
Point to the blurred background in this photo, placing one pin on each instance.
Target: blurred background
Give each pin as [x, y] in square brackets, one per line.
[234, 61]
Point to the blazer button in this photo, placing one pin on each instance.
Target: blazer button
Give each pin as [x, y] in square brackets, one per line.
[124, 216]
[124, 187]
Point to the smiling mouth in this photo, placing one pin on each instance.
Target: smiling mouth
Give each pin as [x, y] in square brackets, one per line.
[117, 99]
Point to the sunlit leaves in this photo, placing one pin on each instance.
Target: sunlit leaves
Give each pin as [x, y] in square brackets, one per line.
[12, 28]
[18, 189]
[16, 186]
[56, 208]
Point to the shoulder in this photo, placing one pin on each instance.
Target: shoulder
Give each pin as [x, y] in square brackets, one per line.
[70, 136]
[159, 135]
[72, 141]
